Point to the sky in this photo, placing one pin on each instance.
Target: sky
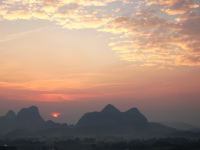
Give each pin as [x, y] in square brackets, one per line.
[75, 56]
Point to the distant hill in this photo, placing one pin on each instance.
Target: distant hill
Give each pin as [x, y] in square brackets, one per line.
[111, 121]
[182, 126]
[27, 120]
[108, 122]
[111, 116]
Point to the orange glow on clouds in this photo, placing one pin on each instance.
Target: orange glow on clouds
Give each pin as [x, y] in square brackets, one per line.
[55, 114]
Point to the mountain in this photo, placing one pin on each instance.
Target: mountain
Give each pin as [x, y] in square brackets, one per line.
[181, 126]
[10, 115]
[25, 122]
[111, 116]
[111, 121]
[29, 118]
[110, 109]
[7, 122]
[107, 117]
[134, 117]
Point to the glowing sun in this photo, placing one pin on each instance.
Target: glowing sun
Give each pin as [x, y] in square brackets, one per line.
[55, 114]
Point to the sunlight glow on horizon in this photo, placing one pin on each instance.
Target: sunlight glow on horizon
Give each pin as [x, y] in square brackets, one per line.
[55, 114]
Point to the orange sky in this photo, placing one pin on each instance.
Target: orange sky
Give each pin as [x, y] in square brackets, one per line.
[144, 51]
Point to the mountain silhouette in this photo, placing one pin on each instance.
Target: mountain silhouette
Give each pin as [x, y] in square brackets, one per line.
[10, 115]
[110, 109]
[107, 117]
[110, 116]
[110, 121]
[25, 121]
[30, 118]
[134, 117]
[30, 114]
[7, 122]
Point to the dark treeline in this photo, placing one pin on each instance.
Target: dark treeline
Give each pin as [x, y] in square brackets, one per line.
[93, 144]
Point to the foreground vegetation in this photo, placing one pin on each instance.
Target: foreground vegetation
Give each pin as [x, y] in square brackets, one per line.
[93, 144]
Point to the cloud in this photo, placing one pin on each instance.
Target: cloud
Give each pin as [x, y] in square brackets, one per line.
[176, 7]
[19, 35]
[155, 39]
[145, 32]
[188, 60]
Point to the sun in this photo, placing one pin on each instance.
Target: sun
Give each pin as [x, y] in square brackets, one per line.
[55, 114]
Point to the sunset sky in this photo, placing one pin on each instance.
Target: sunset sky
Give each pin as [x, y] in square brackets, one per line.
[74, 56]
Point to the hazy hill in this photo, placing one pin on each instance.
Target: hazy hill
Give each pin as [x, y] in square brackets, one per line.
[111, 121]
[26, 121]
[111, 116]
[182, 126]
[108, 122]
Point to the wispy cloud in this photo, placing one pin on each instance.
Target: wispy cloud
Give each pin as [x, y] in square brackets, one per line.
[145, 32]
[15, 36]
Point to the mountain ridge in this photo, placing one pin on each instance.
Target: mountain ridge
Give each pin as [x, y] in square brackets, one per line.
[110, 121]
[110, 109]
